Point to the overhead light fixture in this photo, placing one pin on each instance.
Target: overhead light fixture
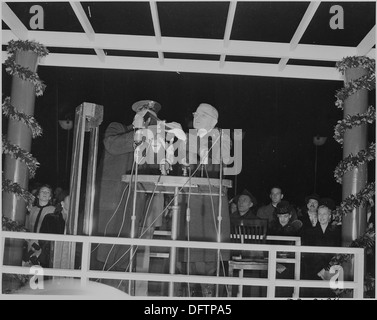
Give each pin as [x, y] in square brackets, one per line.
[66, 124]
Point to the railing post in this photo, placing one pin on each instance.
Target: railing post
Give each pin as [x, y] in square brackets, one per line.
[85, 261]
[85, 274]
[174, 236]
[2, 249]
[296, 291]
[358, 275]
[271, 273]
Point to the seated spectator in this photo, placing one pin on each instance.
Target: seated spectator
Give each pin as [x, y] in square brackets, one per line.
[324, 234]
[309, 216]
[246, 208]
[283, 225]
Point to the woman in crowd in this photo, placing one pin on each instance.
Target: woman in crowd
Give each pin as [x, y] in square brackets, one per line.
[53, 223]
[324, 234]
[34, 218]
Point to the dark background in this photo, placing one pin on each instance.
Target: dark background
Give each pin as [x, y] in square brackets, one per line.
[280, 116]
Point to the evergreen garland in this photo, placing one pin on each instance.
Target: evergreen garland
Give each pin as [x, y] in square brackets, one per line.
[12, 68]
[17, 153]
[11, 112]
[10, 225]
[351, 121]
[367, 240]
[26, 45]
[353, 161]
[15, 188]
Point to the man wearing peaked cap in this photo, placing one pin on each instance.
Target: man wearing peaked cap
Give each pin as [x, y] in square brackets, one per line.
[117, 160]
[146, 104]
[112, 210]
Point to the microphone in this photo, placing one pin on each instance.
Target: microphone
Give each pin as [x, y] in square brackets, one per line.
[150, 115]
[165, 167]
[138, 137]
[138, 125]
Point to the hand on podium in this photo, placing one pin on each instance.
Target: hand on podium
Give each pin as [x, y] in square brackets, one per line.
[165, 167]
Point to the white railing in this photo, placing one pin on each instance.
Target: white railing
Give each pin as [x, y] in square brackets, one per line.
[85, 274]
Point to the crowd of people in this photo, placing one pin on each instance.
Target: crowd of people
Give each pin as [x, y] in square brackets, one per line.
[313, 223]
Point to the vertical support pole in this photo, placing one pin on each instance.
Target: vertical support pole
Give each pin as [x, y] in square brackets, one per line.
[133, 219]
[90, 182]
[174, 235]
[355, 140]
[219, 217]
[22, 98]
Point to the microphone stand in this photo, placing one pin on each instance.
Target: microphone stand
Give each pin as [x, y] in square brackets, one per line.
[133, 217]
[219, 218]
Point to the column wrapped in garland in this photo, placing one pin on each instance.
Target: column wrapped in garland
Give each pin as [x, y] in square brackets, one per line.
[351, 172]
[19, 164]
[351, 132]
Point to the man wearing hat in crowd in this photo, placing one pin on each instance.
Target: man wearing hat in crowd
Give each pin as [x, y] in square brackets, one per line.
[309, 213]
[114, 198]
[283, 225]
[246, 207]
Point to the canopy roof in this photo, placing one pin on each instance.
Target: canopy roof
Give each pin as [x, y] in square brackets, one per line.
[278, 39]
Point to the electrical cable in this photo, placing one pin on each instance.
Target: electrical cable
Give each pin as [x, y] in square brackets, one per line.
[124, 215]
[167, 206]
[188, 218]
[214, 218]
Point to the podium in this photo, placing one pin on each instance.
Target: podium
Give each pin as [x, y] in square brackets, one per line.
[177, 185]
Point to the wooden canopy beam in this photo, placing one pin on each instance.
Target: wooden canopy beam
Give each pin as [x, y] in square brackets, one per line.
[308, 16]
[87, 26]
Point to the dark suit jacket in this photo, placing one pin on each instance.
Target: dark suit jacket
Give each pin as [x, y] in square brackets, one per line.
[250, 214]
[315, 262]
